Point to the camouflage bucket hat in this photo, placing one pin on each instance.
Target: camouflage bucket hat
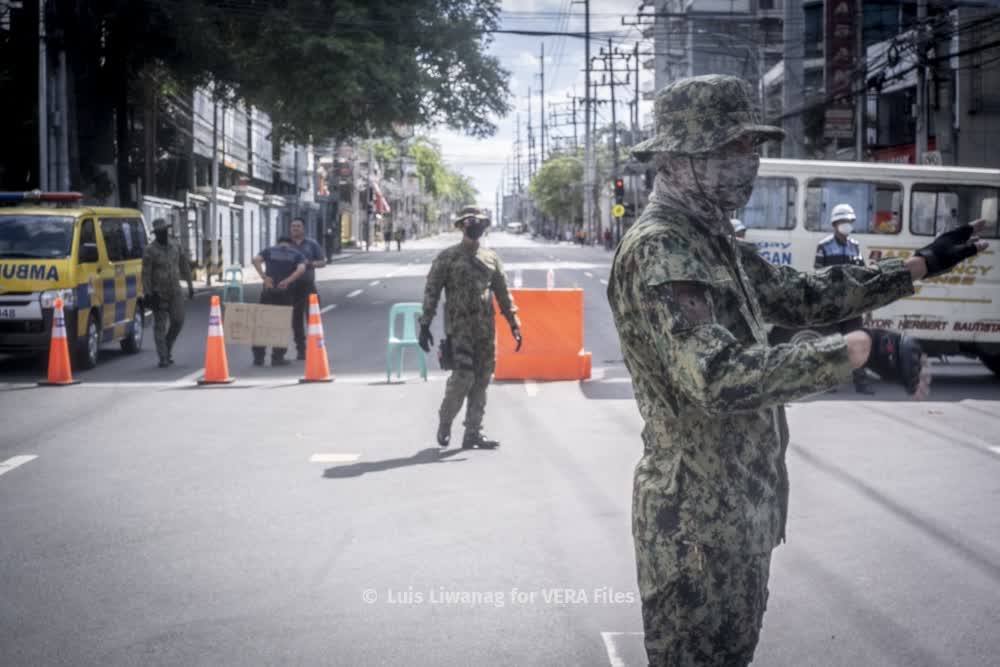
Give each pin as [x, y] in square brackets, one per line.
[160, 224]
[470, 212]
[702, 113]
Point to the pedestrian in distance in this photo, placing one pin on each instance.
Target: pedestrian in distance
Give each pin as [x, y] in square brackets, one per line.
[387, 237]
[399, 239]
[471, 276]
[840, 248]
[689, 301]
[164, 265]
[279, 267]
[306, 285]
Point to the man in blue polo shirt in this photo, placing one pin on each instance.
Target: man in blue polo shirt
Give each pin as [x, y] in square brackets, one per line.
[279, 266]
[306, 285]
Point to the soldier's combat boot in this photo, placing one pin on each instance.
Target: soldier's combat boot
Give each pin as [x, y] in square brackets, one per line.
[444, 434]
[475, 439]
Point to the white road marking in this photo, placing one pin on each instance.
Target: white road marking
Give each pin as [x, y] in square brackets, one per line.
[614, 659]
[354, 293]
[327, 309]
[995, 450]
[588, 274]
[603, 281]
[14, 462]
[531, 387]
[334, 458]
[374, 283]
[191, 377]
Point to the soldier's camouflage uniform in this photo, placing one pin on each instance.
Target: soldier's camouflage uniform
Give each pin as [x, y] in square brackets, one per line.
[711, 489]
[470, 276]
[163, 268]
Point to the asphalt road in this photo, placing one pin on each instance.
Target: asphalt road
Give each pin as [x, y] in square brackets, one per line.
[268, 522]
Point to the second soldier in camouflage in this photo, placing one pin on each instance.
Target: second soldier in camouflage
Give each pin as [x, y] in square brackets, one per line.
[690, 304]
[471, 276]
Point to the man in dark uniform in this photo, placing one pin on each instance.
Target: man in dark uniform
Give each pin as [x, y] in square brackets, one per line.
[164, 265]
[840, 248]
[306, 285]
[284, 266]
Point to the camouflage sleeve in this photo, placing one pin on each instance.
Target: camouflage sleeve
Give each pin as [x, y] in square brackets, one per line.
[721, 374]
[432, 290]
[792, 299]
[506, 302]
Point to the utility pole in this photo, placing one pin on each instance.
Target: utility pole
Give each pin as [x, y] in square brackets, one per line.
[861, 97]
[588, 138]
[542, 161]
[921, 147]
[635, 126]
[213, 206]
[43, 101]
[517, 157]
[531, 142]
[791, 91]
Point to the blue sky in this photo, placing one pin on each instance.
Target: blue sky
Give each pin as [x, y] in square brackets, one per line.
[483, 160]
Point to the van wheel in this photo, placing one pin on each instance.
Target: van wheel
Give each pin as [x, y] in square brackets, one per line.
[132, 343]
[992, 362]
[91, 343]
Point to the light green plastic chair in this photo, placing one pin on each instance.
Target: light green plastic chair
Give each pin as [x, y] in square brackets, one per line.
[233, 278]
[395, 351]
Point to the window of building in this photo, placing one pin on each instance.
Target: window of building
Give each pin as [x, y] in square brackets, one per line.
[813, 15]
[878, 206]
[771, 206]
[938, 208]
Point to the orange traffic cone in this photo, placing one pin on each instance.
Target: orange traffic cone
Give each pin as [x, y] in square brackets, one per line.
[216, 366]
[60, 373]
[317, 365]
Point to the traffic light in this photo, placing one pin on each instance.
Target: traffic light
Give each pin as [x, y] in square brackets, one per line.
[619, 191]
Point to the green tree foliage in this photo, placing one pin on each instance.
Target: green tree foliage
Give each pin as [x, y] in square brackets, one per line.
[557, 188]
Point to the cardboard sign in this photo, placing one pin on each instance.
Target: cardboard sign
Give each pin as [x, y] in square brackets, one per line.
[257, 324]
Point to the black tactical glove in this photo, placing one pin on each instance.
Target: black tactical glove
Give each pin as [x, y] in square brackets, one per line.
[425, 340]
[515, 331]
[152, 301]
[947, 250]
[896, 358]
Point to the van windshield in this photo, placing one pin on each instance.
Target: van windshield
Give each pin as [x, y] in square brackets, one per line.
[35, 236]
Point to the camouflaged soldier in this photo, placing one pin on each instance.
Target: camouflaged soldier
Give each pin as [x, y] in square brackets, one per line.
[470, 275]
[164, 264]
[690, 302]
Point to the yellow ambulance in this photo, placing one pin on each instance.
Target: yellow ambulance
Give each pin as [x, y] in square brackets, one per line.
[52, 246]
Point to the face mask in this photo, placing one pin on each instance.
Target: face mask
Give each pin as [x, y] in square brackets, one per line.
[727, 181]
[845, 228]
[161, 236]
[474, 231]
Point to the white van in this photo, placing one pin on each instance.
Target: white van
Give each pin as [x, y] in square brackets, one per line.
[900, 208]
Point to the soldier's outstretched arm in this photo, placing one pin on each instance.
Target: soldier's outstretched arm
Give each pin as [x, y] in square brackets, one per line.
[721, 374]
[432, 289]
[793, 299]
[502, 292]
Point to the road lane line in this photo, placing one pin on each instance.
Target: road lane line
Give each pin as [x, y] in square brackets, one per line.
[995, 450]
[374, 283]
[334, 458]
[531, 387]
[327, 309]
[588, 274]
[603, 281]
[354, 293]
[14, 462]
[191, 377]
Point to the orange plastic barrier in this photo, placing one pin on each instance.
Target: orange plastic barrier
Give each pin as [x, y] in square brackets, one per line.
[552, 326]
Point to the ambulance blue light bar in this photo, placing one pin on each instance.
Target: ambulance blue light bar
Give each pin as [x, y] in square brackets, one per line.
[38, 195]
